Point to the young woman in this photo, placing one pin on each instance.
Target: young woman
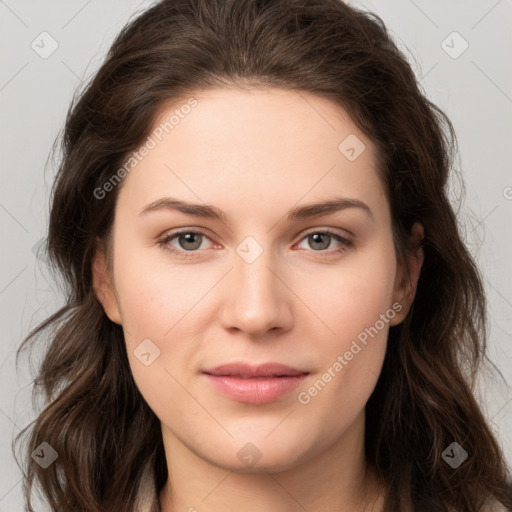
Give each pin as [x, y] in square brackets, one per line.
[270, 307]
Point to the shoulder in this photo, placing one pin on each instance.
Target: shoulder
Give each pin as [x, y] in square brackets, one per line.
[490, 506]
[494, 506]
[147, 496]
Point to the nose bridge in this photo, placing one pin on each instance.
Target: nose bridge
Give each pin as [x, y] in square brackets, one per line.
[256, 300]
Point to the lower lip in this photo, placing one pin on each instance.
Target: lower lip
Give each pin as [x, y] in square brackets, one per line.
[255, 391]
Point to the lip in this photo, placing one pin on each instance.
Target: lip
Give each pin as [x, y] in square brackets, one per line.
[254, 384]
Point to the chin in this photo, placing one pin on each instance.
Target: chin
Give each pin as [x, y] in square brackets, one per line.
[255, 453]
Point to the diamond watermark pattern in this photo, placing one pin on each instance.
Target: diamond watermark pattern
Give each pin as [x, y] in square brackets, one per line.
[249, 455]
[249, 249]
[454, 455]
[146, 352]
[351, 147]
[44, 45]
[44, 455]
[454, 45]
[37, 248]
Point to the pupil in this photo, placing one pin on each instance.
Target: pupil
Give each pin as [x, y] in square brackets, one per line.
[189, 240]
[315, 238]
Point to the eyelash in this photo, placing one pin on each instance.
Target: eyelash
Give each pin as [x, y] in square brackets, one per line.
[346, 243]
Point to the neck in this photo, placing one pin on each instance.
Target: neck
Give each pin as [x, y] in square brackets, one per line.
[337, 479]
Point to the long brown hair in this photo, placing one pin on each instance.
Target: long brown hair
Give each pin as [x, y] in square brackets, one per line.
[94, 417]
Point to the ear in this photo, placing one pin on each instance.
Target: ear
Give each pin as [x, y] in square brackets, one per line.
[103, 287]
[406, 283]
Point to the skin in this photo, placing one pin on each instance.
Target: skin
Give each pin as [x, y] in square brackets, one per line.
[256, 154]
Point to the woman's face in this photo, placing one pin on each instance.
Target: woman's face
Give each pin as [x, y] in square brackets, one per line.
[254, 278]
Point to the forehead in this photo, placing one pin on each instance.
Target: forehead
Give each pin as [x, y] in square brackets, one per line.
[254, 148]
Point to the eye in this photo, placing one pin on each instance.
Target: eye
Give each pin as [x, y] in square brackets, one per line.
[188, 241]
[321, 240]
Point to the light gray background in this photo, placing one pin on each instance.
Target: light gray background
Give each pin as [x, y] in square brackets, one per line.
[474, 89]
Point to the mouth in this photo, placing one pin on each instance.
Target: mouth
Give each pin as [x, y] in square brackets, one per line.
[254, 384]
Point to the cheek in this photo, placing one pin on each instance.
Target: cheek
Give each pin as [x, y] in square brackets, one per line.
[356, 308]
[154, 296]
[161, 303]
[152, 314]
[354, 295]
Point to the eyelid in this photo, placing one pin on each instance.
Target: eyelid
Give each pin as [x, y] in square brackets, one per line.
[347, 235]
[171, 233]
[164, 241]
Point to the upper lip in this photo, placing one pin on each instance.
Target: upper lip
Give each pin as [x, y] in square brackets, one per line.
[247, 371]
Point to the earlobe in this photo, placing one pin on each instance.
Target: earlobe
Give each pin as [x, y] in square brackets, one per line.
[406, 282]
[103, 287]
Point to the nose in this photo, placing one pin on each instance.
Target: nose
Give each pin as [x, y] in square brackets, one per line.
[257, 298]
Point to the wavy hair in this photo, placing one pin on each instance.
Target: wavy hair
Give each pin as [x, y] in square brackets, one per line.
[107, 438]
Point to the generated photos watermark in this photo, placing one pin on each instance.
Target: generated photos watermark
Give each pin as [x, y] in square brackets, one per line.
[150, 143]
[304, 397]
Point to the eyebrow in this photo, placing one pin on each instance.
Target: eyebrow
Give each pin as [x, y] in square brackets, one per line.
[212, 212]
